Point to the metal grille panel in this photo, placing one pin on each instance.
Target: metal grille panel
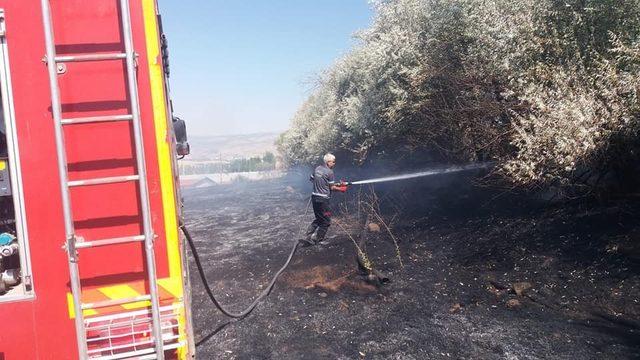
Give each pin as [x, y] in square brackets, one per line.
[130, 334]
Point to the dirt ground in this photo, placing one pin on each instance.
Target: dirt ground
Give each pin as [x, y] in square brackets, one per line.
[545, 283]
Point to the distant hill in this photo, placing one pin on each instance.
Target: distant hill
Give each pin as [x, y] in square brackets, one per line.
[229, 147]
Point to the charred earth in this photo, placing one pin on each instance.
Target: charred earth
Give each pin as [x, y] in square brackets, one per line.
[484, 277]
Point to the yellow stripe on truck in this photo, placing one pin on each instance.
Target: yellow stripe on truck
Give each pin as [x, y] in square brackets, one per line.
[165, 157]
[117, 292]
[72, 310]
[172, 285]
[167, 286]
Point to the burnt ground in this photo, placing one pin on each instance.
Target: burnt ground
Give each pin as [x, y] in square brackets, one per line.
[576, 269]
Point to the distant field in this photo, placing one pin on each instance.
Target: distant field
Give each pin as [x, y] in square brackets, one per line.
[229, 147]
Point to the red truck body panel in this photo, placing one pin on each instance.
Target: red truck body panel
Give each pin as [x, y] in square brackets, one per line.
[42, 327]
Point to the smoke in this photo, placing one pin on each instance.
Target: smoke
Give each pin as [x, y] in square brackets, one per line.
[451, 169]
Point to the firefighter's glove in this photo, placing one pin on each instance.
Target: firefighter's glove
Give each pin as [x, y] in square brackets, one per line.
[341, 188]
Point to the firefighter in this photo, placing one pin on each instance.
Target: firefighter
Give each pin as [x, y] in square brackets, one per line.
[324, 183]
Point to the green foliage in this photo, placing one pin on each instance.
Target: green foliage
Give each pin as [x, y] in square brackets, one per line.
[256, 163]
[202, 168]
[266, 162]
[269, 158]
[547, 88]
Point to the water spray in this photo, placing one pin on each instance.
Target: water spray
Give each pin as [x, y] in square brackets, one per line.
[266, 291]
[447, 170]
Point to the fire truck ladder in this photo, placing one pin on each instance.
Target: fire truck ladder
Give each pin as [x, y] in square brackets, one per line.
[75, 243]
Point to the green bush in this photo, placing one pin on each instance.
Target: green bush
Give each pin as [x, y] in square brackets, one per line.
[548, 89]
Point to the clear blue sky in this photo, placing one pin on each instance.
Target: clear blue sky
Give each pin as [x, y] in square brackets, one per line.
[245, 66]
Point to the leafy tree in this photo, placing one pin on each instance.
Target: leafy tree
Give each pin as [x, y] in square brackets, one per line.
[547, 88]
[269, 158]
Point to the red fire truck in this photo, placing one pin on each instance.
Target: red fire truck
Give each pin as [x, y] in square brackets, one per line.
[91, 260]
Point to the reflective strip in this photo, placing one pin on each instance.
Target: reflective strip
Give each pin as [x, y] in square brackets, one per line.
[167, 288]
[72, 311]
[165, 158]
[172, 286]
[124, 292]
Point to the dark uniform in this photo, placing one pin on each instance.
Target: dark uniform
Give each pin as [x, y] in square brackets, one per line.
[322, 178]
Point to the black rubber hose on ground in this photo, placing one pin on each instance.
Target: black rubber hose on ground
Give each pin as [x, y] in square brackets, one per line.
[215, 301]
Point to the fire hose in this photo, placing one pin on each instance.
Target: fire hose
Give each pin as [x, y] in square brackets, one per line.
[252, 306]
[263, 294]
[342, 187]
